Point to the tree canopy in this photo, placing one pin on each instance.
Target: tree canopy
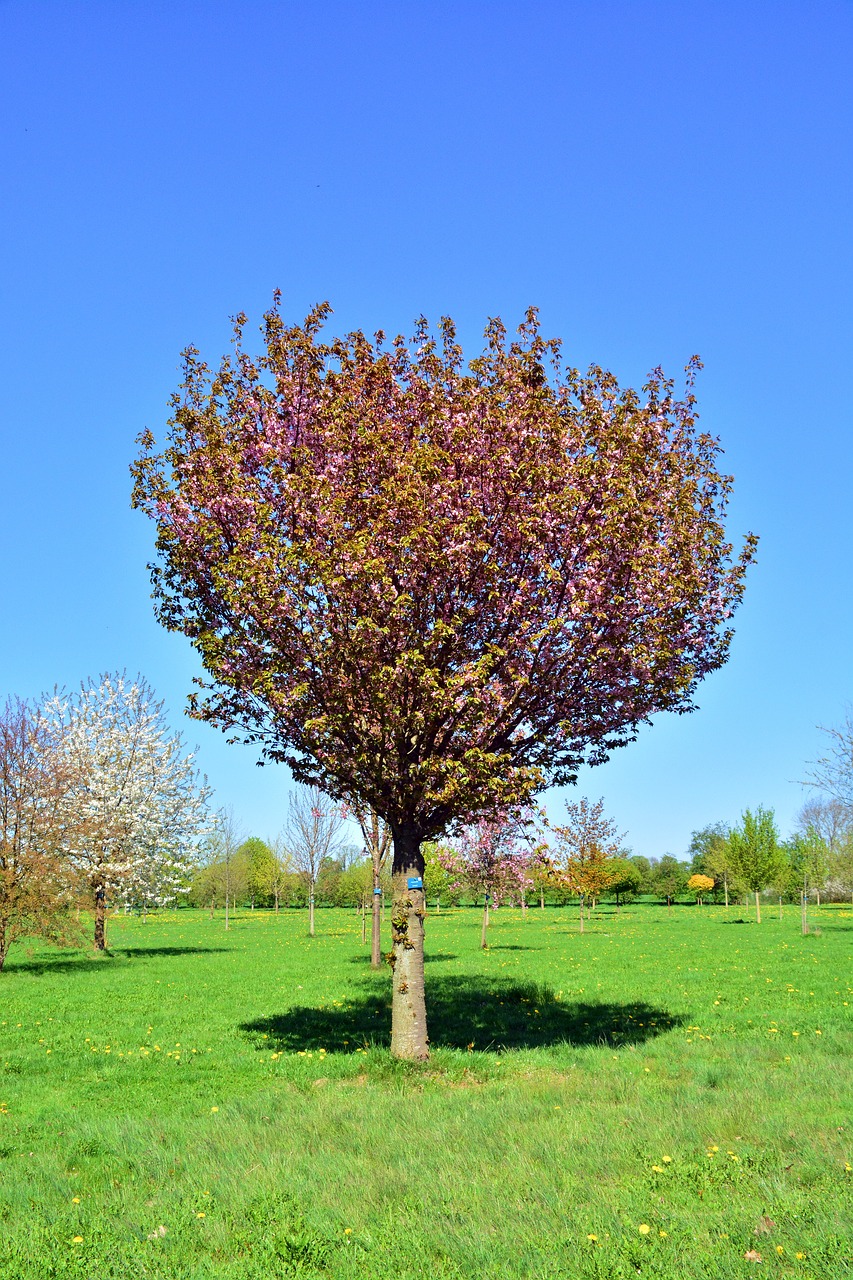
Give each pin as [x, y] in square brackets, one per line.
[435, 588]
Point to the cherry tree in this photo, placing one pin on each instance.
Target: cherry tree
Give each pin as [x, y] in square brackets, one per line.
[436, 588]
[494, 857]
[137, 808]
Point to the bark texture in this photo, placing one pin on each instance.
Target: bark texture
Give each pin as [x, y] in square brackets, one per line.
[100, 919]
[408, 1006]
[757, 909]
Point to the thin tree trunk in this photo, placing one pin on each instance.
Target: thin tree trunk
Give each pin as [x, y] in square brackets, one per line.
[212, 905]
[100, 919]
[4, 946]
[227, 923]
[483, 942]
[438, 906]
[726, 891]
[780, 908]
[803, 915]
[817, 896]
[409, 1037]
[311, 910]
[363, 921]
[757, 909]
[376, 923]
[541, 899]
[276, 901]
[580, 901]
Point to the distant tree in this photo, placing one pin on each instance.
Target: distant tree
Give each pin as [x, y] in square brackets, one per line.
[755, 852]
[493, 858]
[699, 884]
[312, 834]
[260, 870]
[34, 782]
[439, 882]
[668, 878]
[717, 862]
[583, 851]
[281, 873]
[832, 773]
[138, 809]
[626, 879]
[831, 819]
[644, 868]
[377, 843]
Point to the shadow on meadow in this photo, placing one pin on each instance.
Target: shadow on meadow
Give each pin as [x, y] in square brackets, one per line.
[83, 962]
[433, 956]
[479, 1013]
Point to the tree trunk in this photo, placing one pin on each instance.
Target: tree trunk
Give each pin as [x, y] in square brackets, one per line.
[4, 947]
[376, 924]
[757, 909]
[580, 901]
[363, 922]
[817, 897]
[227, 924]
[100, 919]
[803, 917]
[483, 942]
[276, 901]
[726, 891]
[438, 906]
[311, 911]
[408, 1003]
[541, 899]
[212, 905]
[780, 908]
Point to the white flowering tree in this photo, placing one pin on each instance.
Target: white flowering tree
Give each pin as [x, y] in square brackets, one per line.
[138, 808]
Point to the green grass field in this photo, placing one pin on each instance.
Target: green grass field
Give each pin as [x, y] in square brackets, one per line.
[658, 1097]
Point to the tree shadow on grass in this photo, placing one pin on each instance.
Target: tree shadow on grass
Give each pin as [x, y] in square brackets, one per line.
[364, 957]
[77, 963]
[483, 1013]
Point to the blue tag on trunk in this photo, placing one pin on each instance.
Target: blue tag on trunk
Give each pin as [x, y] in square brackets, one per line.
[415, 882]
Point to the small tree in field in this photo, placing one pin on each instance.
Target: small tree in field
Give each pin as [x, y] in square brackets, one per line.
[34, 782]
[700, 884]
[137, 809]
[626, 879]
[312, 835]
[668, 878]
[434, 589]
[584, 849]
[493, 858]
[755, 851]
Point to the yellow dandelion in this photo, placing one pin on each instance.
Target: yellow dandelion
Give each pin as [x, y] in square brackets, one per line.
[76, 1239]
[644, 1228]
[657, 1168]
[779, 1249]
[75, 1199]
[201, 1214]
[214, 1108]
[592, 1238]
[667, 1159]
[347, 1231]
[664, 1234]
[799, 1256]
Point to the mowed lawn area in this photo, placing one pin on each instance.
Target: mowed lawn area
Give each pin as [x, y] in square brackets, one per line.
[660, 1096]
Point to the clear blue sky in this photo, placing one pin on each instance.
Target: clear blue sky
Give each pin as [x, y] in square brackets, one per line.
[659, 178]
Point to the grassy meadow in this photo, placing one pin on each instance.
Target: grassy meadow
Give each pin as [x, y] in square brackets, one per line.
[660, 1096]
